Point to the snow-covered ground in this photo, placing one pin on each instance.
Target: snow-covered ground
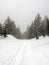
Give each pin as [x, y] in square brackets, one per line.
[24, 52]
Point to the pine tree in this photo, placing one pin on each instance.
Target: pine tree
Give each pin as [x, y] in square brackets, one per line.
[47, 26]
[18, 33]
[42, 28]
[31, 31]
[37, 26]
[0, 29]
[27, 32]
[5, 32]
[10, 26]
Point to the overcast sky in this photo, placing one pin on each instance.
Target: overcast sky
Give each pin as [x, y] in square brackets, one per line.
[23, 11]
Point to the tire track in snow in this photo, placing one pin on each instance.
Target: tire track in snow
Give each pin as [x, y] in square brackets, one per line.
[18, 56]
[14, 57]
[27, 53]
[23, 54]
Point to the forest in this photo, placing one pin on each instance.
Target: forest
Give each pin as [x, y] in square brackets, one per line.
[39, 27]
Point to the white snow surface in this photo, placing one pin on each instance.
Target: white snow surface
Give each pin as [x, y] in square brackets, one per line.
[24, 52]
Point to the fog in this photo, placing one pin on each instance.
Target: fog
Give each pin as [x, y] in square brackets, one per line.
[23, 12]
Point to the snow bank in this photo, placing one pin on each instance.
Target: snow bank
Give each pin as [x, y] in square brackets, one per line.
[40, 42]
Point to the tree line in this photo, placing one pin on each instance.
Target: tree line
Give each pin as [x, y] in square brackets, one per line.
[9, 28]
[39, 27]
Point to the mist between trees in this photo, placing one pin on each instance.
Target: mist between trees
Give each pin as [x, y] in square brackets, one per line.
[37, 28]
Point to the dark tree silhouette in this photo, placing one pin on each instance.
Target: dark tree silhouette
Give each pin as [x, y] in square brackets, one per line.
[47, 26]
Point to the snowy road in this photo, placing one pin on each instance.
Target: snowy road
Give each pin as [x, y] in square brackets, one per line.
[26, 52]
[31, 56]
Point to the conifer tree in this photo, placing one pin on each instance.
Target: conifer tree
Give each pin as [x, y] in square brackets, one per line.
[37, 23]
